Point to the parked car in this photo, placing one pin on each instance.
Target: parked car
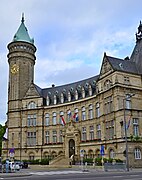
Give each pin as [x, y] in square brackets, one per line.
[22, 164]
[14, 166]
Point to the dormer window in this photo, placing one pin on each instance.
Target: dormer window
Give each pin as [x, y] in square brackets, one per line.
[55, 99]
[69, 96]
[76, 95]
[62, 98]
[32, 105]
[47, 101]
[90, 90]
[83, 92]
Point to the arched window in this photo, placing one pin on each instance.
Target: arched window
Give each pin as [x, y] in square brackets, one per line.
[137, 153]
[54, 118]
[62, 98]
[83, 92]
[47, 101]
[32, 105]
[90, 90]
[107, 84]
[83, 113]
[76, 95]
[69, 96]
[55, 99]
[47, 122]
[97, 109]
[90, 111]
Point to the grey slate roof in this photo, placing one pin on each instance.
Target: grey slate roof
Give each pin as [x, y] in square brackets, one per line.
[71, 87]
[124, 65]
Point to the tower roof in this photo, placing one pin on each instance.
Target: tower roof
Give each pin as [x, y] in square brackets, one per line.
[22, 33]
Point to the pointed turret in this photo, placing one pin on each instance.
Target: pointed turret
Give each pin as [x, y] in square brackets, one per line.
[137, 52]
[22, 33]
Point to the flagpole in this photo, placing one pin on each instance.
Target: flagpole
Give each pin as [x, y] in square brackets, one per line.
[126, 141]
[125, 128]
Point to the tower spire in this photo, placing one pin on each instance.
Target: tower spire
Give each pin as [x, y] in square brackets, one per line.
[22, 18]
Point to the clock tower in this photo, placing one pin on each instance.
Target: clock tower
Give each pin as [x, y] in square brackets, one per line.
[21, 59]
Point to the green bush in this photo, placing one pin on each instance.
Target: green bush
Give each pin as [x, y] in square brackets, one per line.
[36, 161]
[98, 160]
[88, 160]
[44, 162]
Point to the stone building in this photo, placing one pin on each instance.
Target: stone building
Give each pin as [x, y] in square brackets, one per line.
[78, 118]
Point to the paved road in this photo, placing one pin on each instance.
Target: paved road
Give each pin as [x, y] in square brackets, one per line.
[71, 174]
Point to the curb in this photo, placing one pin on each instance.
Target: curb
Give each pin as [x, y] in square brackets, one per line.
[9, 175]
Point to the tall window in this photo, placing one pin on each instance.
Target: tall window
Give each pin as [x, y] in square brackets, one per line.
[31, 138]
[54, 122]
[61, 136]
[97, 109]
[109, 129]
[47, 122]
[108, 105]
[61, 116]
[91, 132]
[47, 137]
[83, 113]
[84, 137]
[98, 127]
[135, 127]
[128, 101]
[31, 121]
[54, 136]
[137, 153]
[69, 115]
[90, 111]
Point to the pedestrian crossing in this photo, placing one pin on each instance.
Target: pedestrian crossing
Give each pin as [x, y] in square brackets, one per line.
[41, 173]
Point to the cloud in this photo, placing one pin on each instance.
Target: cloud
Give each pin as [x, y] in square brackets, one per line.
[71, 37]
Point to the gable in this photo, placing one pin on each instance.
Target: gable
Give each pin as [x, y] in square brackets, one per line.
[32, 92]
[106, 67]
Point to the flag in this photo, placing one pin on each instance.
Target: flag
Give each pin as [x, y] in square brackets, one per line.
[62, 120]
[102, 150]
[6, 134]
[75, 117]
[129, 123]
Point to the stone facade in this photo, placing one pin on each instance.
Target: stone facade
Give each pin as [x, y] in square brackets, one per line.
[93, 111]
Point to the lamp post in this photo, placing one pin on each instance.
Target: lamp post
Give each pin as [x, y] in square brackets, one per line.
[125, 129]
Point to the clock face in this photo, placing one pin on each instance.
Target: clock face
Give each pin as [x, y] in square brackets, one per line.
[14, 69]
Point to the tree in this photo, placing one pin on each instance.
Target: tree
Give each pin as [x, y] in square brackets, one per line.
[2, 131]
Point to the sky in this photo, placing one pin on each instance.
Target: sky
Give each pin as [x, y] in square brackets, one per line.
[71, 37]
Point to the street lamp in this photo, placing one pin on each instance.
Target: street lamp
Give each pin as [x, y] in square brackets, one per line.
[128, 96]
